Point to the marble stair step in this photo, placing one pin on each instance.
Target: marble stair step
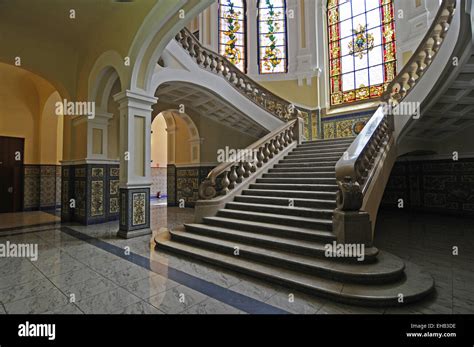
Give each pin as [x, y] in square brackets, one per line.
[299, 180]
[414, 286]
[323, 165]
[304, 222]
[326, 143]
[307, 169]
[311, 203]
[299, 175]
[290, 194]
[305, 156]
[303, 187]
[290, 254]
[332, 159]
[315, 150]
[292, 232]
[283, 210]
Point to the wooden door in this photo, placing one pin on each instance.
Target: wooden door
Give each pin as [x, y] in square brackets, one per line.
[11, 174]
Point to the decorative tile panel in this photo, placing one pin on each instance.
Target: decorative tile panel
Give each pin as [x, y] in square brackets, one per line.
[97, 198]
[347, 125]
[48, 187]
[439, 186]
[114, 187]
[138, 207]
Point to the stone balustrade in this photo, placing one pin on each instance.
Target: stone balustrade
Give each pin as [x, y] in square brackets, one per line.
[219, 65]
[225, 177]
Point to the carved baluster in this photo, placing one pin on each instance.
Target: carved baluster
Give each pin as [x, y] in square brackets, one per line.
[233, 177]
[249, 89]
[234, 80]
[260, 157]
[266, 153]
[226, 71]
[242, 84]
[219, 66]
[191, 49]
[287, 137]
[240, 172]
[213, 64]
[248, 168]
[225, 183]
[278, 144]
[200, 57]
[429, 55]
[445, 29]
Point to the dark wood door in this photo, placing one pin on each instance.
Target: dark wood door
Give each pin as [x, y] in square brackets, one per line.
[11, 174]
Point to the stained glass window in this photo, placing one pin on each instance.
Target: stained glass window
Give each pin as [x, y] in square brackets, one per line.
[362, 59]
[232, 25]
[272, 36]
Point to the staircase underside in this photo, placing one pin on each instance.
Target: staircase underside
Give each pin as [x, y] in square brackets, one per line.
[278, 229]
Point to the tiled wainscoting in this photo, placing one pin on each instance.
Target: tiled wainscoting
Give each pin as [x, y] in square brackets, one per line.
[443, 186]
[94, 192]
[158, 179]
[344, 125]
[41, 187]
[183, 183]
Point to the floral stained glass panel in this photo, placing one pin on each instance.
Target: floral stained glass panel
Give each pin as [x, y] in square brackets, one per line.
[362, 52]
[272, 36]
[232, 25]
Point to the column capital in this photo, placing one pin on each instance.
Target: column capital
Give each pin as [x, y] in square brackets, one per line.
[135, 99]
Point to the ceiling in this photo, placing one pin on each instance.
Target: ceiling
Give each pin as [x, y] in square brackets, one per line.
[53, 16]
[208, 105]
[452, 113]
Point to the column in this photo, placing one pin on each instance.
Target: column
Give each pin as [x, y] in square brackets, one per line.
[135, 158]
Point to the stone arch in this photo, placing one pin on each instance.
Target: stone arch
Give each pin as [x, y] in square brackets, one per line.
[194, 139]
[154, 35]
[106, 70]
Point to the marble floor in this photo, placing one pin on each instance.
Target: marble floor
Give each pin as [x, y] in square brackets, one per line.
[89, 270]
[22, 219]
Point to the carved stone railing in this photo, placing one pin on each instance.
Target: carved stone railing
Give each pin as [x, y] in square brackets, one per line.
[356, 168]
[230, 174]
[219, 65]
[404, 82]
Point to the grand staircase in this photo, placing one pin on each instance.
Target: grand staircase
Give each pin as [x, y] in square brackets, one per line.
[278, 229]
[277, 216]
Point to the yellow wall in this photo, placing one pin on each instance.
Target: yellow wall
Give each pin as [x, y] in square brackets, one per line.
[50, 141]
[27, 111]
[159, 142]
[182, 148]
[114, 125]
[304, 95]
[216, 136]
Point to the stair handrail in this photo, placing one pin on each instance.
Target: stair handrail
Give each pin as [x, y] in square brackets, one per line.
[220, 65]
[417, 65]
[356, 167]
[236, 171]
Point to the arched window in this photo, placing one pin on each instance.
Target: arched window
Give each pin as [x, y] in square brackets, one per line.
[232, 31]
[272, 36]
[362, 55]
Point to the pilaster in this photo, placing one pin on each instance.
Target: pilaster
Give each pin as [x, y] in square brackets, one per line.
[135, 158]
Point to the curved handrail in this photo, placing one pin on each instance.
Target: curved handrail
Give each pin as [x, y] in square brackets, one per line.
[237, 170]
[417, 65]
[220, 65]
[355, 169]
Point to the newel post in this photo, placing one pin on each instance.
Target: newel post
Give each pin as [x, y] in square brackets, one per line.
[351, 225]
[299, 130]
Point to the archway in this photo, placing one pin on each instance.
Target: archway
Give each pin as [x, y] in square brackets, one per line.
[175, 143]
[31, 131]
